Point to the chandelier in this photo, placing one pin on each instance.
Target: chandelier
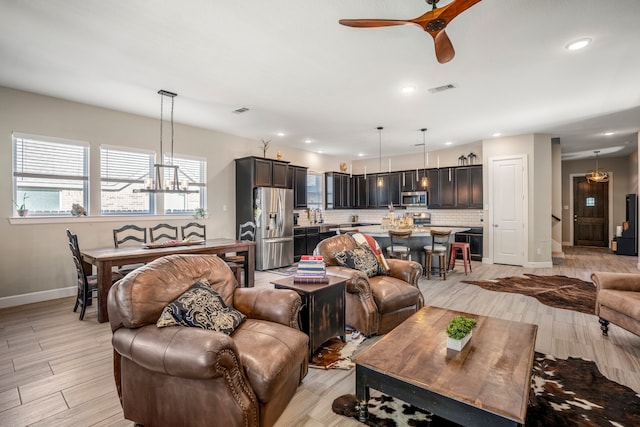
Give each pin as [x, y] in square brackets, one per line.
[171, 183]
[597, 175]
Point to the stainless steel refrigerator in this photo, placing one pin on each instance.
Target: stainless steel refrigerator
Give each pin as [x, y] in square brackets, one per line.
[273, 215]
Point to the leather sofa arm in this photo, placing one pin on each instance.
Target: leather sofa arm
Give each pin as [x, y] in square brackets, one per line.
[178, 351]
[616, 281]
[274, 305]
[408, 271]
[357, 281]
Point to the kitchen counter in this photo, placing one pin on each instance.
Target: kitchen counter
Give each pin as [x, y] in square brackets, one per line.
[377, 231]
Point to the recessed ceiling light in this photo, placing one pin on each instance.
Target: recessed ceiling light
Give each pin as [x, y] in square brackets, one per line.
[497, 134]
[360, 154]
[578, 44]
[320, 151]
[307, 141]
[280, 134]
[448, 143]
[408, 89]
[608, 133]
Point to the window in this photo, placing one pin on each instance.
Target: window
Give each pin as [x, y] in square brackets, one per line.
[50, 174]
[314, 190]
[122, 171]
[192, 174]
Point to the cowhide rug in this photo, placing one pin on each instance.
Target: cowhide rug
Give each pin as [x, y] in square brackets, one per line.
[555, 291]
[563, 393]
[335, 354]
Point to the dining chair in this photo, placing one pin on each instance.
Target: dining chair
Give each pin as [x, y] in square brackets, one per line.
[399, 247]
[246, 232]
[163, 231]
[194, 229]
[437, 248]
[87, 284]
[129, 233]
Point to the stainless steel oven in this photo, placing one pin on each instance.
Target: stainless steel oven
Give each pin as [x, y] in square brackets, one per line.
[414, 198]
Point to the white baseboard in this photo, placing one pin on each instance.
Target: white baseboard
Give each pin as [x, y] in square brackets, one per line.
[486, 261]
[544, 264]
[15, 300]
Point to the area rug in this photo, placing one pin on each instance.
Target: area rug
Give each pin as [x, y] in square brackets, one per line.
[289, 270]
[336, 354]
[569, 392]
[555, 291]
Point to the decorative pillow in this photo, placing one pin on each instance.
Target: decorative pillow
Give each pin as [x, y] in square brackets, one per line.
[359, 258]
[201, 307]
[366, 239]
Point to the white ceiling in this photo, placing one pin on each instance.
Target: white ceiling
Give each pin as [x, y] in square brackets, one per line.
[300, 72]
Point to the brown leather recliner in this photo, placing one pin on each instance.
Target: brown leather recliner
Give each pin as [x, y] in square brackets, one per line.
[374, 305]
[189, 376]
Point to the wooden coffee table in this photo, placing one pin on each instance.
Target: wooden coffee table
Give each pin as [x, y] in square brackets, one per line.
[322, 312]
[485, 384]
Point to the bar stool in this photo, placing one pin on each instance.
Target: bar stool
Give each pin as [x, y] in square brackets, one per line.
[465, 249]
[438, 248]
[399, 244]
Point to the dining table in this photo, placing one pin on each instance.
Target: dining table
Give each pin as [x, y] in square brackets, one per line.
[104, 259]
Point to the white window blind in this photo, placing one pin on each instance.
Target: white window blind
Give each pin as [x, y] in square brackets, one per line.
[193, 172]
[50, 174]
[121, 172]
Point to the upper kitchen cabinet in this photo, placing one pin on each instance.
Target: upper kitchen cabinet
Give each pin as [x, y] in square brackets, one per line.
[337, 190]
[297, 181]
[359, 191]
[409, 181]
[263, 172]
[469, 187]
[442, 194]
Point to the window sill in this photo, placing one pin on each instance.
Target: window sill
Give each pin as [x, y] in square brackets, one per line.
[91, 219]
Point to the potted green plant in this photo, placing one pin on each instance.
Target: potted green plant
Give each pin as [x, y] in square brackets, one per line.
[22, 208]
[200, 213]
[459, 332]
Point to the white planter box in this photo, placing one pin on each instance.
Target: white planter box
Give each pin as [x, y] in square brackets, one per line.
[458, 345]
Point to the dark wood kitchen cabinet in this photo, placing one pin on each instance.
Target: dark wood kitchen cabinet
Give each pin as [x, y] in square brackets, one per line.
[305, 240]
[337, 190]
[469, 187]
[297, 181]
[359, 192]
[262, 172]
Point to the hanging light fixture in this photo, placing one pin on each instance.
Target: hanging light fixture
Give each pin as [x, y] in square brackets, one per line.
[171, 183]
[424, 182]
[597, 175]
[380, 182]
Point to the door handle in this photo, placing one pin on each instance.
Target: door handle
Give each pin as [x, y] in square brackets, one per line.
[495, 225]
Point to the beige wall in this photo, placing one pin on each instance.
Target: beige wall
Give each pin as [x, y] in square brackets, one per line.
[537, 151]
[34, 255]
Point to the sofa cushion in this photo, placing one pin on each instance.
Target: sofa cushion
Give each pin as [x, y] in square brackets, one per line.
[202, 307]
[359, 258]
[391, 294]
[269, 352]
[625, 302]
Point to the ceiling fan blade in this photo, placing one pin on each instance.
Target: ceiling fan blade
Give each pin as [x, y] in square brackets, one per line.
[436, 20]
[371, 23]
[444, 48]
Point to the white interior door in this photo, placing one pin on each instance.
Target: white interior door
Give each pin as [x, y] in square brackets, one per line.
[507, 200]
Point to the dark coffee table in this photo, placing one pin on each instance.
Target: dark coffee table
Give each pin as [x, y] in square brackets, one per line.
[322, 312]
[485, 384]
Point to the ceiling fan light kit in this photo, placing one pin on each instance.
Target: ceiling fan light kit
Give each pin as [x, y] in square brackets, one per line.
[433, 22]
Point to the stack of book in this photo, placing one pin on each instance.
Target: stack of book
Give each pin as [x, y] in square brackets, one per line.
[311, 269]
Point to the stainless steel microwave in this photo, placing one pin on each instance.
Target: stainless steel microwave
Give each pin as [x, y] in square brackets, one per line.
[414, 198]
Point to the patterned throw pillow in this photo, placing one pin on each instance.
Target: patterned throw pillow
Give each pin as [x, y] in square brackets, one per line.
[359, 258]
[201, 307]
[366, 239]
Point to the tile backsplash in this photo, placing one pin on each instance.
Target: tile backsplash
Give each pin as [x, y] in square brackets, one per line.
[465, 217]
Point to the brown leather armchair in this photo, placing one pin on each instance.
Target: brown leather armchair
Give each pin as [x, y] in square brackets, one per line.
[618, 300]
[374, 305]
[189, 376]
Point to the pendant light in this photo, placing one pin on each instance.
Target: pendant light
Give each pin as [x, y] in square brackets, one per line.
[424, 182]
[597, 175]
[171, 184]
[380, 181]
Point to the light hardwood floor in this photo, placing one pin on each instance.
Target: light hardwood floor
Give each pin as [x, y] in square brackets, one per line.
[57, 371]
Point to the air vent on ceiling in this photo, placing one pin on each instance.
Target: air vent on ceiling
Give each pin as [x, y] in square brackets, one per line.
[240, 110]
[442, 88]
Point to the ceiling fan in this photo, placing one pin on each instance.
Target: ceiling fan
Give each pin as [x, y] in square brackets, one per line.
[433, 22]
